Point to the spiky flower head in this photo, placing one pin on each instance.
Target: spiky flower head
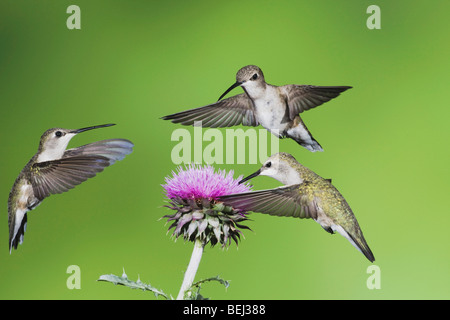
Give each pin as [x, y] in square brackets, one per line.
[193, 193]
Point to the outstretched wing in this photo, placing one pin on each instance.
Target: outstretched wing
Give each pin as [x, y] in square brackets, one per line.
[229, 112]
[304, 97]
[284, 201]
[113, 149]
[77, 165]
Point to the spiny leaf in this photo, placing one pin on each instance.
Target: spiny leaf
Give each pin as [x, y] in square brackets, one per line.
[124, 281]
[216, 278]
[193, 293]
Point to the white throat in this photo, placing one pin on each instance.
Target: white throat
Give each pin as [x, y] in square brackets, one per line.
[54, 148]
[254, 89]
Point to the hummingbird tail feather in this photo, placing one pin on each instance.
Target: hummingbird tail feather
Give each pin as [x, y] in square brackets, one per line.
[364, 248]
[17, 231]
[358, 242]
[310, 144]
[303, 137]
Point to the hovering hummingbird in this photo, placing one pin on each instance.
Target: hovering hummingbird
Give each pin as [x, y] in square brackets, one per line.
[275, 108]
[53, 169]
[305, 195]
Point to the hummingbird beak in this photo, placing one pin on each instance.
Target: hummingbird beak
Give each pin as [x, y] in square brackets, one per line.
[257, 173]
[236, 84]
[90, 128]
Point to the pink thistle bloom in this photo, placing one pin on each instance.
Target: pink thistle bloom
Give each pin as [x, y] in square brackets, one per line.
[193, 193]
[196, 182]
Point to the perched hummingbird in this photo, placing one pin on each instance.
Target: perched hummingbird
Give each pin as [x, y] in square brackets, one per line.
[275, 108]
[53, 169]
[305, 195]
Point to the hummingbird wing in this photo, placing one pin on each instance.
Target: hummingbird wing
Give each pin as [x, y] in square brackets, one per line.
[76, 166]
[285, 201]
[113, 149]
[289, 201]
[304, 97]
[228, 112]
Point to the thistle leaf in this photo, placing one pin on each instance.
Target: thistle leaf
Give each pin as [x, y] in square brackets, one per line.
[193, 293]
[225, 283]
[124, 281]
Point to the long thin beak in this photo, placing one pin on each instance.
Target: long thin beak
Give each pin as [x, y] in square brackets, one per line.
[237, 84]
[250, 176]
[94, 127]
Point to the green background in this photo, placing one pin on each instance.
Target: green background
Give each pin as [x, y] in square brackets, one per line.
[385, 140]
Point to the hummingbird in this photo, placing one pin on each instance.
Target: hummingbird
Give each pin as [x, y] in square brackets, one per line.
[305, 195]
[276, 108]
[53, 169]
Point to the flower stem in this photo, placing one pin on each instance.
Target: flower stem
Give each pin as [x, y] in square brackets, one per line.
[192, 268]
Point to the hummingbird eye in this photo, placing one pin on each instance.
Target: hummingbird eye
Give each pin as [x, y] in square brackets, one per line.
[58, 134]
[255, 76]
[268, 164]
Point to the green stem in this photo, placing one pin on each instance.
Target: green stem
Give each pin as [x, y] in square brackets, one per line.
[191, 270]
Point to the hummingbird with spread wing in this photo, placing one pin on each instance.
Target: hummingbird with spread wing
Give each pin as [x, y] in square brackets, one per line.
[276, 108]
[305, 195]
[53, 169]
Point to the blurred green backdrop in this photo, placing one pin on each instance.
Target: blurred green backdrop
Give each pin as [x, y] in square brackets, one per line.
[385, 140]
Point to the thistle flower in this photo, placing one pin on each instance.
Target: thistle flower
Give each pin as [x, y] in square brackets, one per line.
[192, 193]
